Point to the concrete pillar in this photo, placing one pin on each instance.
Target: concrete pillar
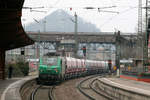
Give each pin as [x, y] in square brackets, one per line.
[2, 64]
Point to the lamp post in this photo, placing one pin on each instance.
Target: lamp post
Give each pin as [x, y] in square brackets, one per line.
[38, 45]
[23, 49]
[75, 21]
[118, 52]
[75, 35]
[145, 39]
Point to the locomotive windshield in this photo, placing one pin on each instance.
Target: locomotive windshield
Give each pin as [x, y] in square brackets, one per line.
[49, 61]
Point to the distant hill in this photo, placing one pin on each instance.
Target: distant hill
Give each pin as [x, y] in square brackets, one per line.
[60, 21]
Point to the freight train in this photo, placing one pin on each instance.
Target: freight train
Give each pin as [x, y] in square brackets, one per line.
[62, 68]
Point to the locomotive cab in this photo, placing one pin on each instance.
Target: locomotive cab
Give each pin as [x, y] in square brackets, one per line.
[49, 69]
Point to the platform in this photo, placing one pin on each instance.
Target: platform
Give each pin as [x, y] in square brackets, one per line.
[143, 86]
[9, 88]
[136, 77]
[128, 88]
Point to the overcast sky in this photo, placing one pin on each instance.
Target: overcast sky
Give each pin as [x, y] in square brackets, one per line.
[125, 21]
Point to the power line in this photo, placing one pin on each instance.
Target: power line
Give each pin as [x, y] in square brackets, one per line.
[33, 7]
[57, 2]
[113, 2]
[38, 11]
[110, 19]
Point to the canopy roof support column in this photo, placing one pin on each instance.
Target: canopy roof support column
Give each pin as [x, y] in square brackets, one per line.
[2, 64]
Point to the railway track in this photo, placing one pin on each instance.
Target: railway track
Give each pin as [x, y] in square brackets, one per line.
[86, 87]
[42, 93]
[27, 89]
[98, 91]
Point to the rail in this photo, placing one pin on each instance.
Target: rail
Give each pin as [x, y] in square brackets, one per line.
[80, 88]
[49, 96]
[102, 93]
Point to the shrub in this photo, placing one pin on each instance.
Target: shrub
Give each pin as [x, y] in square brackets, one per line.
[24, 68]
[20, 68]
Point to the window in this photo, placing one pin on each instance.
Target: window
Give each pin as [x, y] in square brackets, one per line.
[49, 61]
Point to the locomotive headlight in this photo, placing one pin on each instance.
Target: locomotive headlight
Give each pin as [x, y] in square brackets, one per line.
[41, 70]
[56, 70]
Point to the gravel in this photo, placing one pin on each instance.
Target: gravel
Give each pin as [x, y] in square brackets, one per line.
[68, 91]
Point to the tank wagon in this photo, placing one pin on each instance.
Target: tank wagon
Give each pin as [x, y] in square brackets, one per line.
[62, 68]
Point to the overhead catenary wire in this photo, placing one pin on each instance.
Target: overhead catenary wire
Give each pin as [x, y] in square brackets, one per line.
[57, 2]
[38, 11]
[55, 6]
[110, 19]
[84, 7]
[89, 8]
[112, 1]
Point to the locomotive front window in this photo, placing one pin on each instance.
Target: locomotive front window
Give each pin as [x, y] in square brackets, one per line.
[50, 61]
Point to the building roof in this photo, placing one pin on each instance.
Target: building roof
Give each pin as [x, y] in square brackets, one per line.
[12, 33]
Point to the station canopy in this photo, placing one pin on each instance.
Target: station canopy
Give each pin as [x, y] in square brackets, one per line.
[12, 34]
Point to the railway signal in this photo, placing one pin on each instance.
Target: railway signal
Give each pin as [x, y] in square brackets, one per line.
[84, 51]
[22, 52]
[110, 65]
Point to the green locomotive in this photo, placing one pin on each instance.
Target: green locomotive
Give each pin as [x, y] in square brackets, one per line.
[60, 68]
[50, 69]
